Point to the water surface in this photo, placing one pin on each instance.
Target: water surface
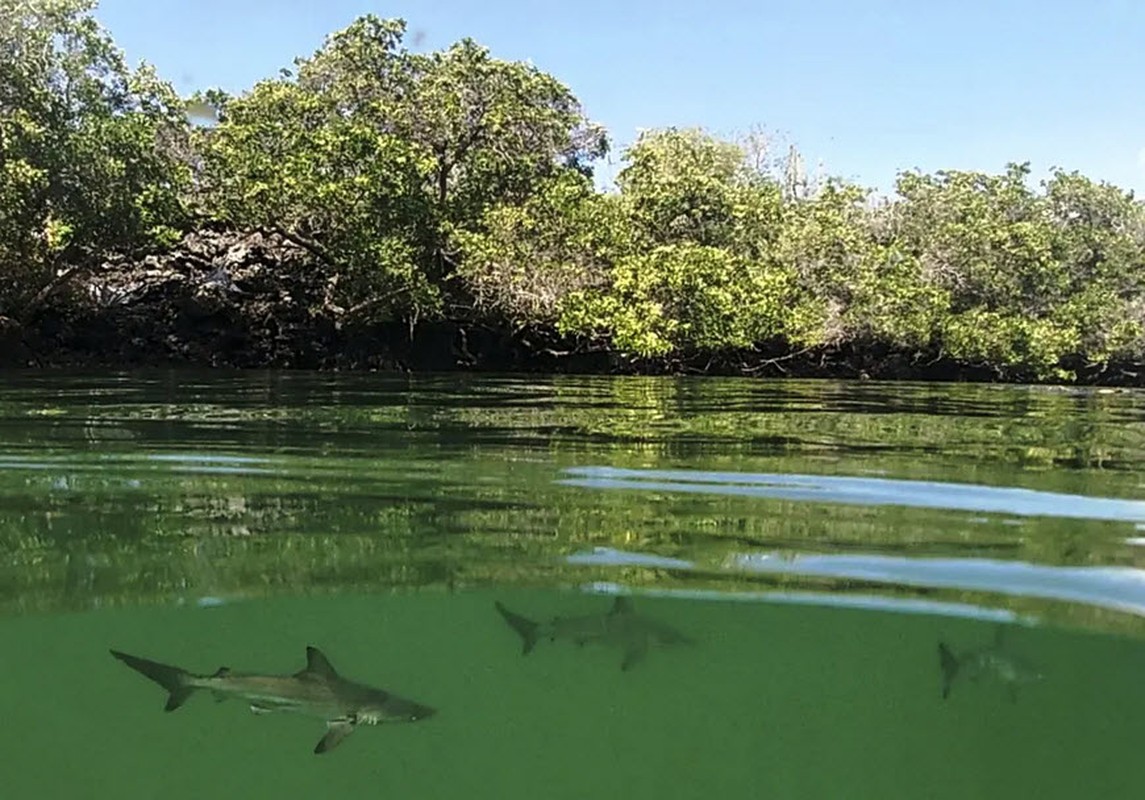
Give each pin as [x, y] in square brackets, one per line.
[815, 540]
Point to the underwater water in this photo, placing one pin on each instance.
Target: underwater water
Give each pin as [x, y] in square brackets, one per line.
[725, 588]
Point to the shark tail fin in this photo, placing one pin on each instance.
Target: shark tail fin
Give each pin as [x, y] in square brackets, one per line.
[950, 664]
[173, 679]
[528, 630]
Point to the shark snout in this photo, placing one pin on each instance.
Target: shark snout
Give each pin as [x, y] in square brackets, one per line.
[409, 711]
[417, 712]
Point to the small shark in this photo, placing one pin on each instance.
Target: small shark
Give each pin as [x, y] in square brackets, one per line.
[621, 627]
[988, 660]
[317, 690]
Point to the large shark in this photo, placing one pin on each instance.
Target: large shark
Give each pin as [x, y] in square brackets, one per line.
[620, 627]
[990, 660]
[317, 690]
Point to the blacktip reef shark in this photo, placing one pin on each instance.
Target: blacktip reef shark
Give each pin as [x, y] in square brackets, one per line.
[990, 660]
[317, 690]
[620, 627]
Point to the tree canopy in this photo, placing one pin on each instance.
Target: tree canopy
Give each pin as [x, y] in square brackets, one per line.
[456, 185]
[87, 148]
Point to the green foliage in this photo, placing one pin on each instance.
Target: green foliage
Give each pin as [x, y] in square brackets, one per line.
[681, 186]
[1100, 232]
[525, 260]
[283, 157]
[86, 164]
[692, 297]
[985, 238]
[889, 302]
[455, 182]
[377, 155]
[1031, 278]
[490, 129]
[1100, 239]
[698, 272]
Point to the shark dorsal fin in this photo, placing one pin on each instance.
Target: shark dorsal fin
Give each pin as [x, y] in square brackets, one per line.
[621, 605]
[222, 672]
[318, 665]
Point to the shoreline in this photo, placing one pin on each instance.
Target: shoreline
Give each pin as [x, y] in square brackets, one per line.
[255, 300]
[477, 348]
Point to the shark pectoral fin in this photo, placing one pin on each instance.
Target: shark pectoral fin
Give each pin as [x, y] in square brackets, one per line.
[1012, 690]
[258, 708]
[633, 655]
[339, 729]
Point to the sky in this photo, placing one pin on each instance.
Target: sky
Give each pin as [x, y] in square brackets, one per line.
[867, 88]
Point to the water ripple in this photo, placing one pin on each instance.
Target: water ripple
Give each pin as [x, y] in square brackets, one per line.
[865, 602]
[862, 491]
[1118, 588]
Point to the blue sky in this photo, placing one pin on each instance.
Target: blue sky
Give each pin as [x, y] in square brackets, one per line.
[867, 87]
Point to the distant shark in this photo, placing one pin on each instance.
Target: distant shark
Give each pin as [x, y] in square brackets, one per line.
[317, 691]
[989, 660]
[620, 627]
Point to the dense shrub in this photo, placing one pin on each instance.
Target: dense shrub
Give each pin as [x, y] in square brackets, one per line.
[454, 183]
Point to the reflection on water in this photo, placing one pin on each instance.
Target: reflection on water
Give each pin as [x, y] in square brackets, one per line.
[858, 589]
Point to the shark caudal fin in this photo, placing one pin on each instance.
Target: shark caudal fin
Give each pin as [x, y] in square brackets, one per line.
[528, 630]
[173, 679]
[950, 664]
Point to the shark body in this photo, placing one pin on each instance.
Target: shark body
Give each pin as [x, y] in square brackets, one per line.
[621, 627]
[317, 690]
[990, 661]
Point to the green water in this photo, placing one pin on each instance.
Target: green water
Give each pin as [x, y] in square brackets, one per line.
[814, 541]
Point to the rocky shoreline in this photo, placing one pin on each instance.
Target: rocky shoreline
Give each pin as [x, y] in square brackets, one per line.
[258, 300]
[250, 300]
